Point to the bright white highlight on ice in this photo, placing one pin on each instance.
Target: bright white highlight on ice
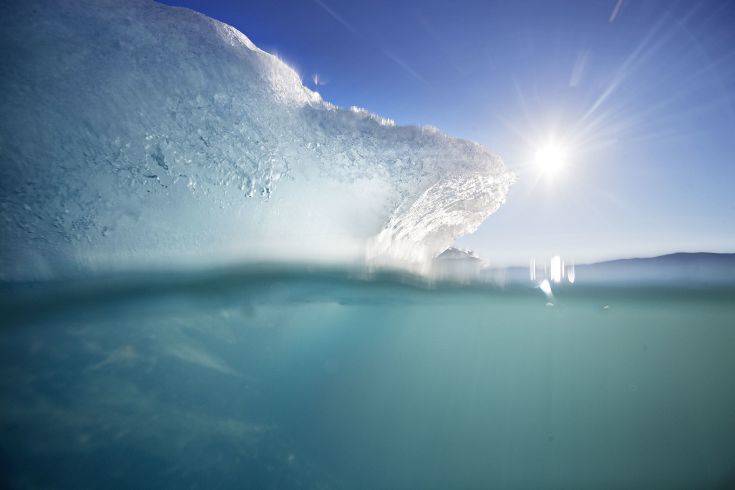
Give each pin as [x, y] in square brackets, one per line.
[545, 287]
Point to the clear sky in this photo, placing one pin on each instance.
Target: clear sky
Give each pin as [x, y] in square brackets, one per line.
[639, 95]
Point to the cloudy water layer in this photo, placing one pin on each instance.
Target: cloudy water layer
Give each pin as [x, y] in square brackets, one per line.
[333, 379]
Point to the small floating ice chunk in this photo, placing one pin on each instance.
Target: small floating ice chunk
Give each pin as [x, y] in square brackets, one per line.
[545, 287]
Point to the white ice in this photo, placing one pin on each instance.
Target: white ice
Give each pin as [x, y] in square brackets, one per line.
[135, 134]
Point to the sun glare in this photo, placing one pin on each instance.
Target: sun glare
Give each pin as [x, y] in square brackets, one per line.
[551, 158]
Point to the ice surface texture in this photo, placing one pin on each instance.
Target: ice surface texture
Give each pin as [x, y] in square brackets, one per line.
[135, 134]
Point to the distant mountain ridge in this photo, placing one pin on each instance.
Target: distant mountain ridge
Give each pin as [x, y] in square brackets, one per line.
[691, 267]
[677, 257]
[699, 267]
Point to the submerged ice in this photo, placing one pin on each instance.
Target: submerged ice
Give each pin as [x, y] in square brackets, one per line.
[137, 134]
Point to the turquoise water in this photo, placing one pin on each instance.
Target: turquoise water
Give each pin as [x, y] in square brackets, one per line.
[333, 379]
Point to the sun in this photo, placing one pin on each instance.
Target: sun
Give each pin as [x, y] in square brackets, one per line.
[551, 158]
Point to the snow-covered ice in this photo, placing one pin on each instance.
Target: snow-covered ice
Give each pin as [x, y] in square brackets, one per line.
[136, 134]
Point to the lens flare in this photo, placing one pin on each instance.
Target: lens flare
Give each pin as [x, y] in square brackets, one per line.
[551, 158]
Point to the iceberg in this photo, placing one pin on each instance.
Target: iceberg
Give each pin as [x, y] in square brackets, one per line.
[136, 134]
[457, 265]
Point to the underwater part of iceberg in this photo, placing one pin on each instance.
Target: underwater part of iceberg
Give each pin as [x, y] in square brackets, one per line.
[137, 134]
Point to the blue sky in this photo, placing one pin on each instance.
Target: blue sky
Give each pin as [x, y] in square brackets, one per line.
[640, 93]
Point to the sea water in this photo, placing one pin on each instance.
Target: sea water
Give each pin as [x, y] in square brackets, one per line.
[330, 378]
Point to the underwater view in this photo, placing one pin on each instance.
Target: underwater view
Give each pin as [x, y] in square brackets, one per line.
[221, 269]
[330, 379]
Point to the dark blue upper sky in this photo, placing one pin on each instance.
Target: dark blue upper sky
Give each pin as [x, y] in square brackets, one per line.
[640, 93]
